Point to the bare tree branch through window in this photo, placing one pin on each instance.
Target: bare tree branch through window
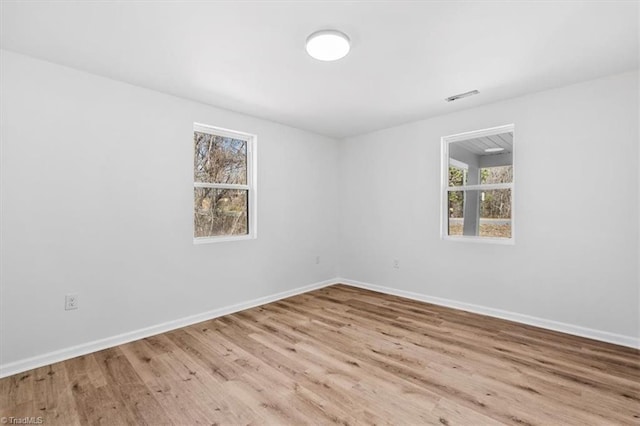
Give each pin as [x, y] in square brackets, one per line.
[221, 192]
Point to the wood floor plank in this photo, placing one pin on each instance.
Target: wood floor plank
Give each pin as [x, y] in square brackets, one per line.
[95, 401]
[186, 393]
[339, 355]
[51, 398]
[128, 388]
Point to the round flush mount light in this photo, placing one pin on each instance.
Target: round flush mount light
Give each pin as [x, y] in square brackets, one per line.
[328, 45]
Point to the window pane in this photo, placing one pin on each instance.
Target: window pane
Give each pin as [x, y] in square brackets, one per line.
[219, 159]
[456, 213]
[457, 176]
[480, 213]
[500, 174]
[220, 212]
[487, 159]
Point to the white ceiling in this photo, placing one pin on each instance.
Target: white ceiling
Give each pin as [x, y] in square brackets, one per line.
[406, 57]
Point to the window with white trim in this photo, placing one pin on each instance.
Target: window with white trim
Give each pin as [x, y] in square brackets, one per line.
[224, 189]
[478, 185]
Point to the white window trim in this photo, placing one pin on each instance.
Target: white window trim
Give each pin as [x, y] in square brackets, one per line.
[251, 186]
[445, 188]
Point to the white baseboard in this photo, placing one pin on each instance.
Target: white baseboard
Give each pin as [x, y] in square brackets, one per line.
[97, 345]
[605, 336]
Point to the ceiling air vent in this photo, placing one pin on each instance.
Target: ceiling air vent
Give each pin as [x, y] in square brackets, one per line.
[461, 95]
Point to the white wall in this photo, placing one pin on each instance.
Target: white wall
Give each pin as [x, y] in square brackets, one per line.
[96, 193]
[576, 254]
[97, 199]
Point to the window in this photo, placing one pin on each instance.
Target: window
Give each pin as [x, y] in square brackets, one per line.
[224, 190]
[477, 186]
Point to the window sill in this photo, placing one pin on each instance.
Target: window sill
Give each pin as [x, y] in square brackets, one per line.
[222, 239]
[486, 240]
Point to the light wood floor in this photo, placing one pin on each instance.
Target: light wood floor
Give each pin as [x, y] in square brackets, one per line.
[339, 355]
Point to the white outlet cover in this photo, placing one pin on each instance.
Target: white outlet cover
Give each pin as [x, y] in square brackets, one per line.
[71, 302]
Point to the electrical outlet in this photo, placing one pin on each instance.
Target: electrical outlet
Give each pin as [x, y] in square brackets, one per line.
[70, 302]
[317, 260]
[396, 264]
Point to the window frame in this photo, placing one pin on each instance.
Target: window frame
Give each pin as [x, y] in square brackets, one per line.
[250, 186]
[445, 188]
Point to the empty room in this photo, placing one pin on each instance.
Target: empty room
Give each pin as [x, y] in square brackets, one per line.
[319, 212]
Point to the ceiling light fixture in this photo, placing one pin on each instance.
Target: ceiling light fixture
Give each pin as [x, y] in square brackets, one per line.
[461, 95]
[328, 45]
[494, 149]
